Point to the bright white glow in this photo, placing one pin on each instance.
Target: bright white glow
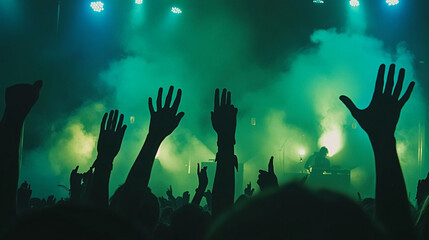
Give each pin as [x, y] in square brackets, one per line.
[97, 6]
[176, 10]
[253, 121]
[392, 2]
[354, 3]
[301, 152]
[318, 1]
[332, 140]
[139, 1]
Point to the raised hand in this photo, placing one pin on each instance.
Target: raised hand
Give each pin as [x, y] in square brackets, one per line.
[202, 185]
[21, 98]
[163, 122]
[379, 121]
[185, 197]
[23, 196]
[381, 116]
[75, 184]
[165, 119]
[248, 191]
[170, 193]
[110, 139]
[268, 179]
[51, 201]
[111, 134]
[202, 178]
[422, 190]
[224, 116]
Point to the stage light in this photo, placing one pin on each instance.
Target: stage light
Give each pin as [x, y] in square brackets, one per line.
[176, 10]
[318, 1]
[354, 3]
[97, 6]
[332, 140]
[139, 1]
[392, 2]
[301, 152]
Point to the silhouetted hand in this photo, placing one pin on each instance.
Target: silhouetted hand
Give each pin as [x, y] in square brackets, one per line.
[422, 190]
[111, 134]
[21, 98]
[170, 193]
[202, 178]
[75, 180]
[165, 119]
[381, 116]
[87, 183]
[51, 201]
[248, 191]
[224, 116]
[186, 196]
[23, 196]
[268, 179]
[379, 121]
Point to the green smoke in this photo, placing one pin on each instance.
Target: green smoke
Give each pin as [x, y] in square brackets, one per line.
[288, 100]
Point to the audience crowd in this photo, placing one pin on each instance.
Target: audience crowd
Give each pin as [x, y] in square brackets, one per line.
[278, 211]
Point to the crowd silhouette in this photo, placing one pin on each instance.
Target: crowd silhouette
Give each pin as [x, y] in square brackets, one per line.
[279, 211]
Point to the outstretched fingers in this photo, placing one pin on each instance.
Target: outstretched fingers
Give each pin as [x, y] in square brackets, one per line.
[223, 98]
[114, 120]
[159, 100]
[350, 105]
[169, 97]
[399, 84]
[176, 102]
[389, 81]
[379, 83]
[109, 120]
[121, 121]
[151, 110]
[407, 94]
[103, 123]
[271, 165]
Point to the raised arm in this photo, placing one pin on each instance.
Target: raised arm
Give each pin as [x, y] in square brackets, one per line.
[202, 185]
[19, 101]
[224, 121]
[267, 180]
[163, 121]
[110, 139]
[379, 121]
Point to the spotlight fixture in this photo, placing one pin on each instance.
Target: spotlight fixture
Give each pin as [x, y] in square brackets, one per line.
[392, 2]
[97, 6]
[176, 10]
[354, 3]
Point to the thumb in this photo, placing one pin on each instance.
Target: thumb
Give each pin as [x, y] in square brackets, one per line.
[271, 165]
[350, 105]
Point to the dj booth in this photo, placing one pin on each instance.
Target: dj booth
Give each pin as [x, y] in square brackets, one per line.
[337, 180]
